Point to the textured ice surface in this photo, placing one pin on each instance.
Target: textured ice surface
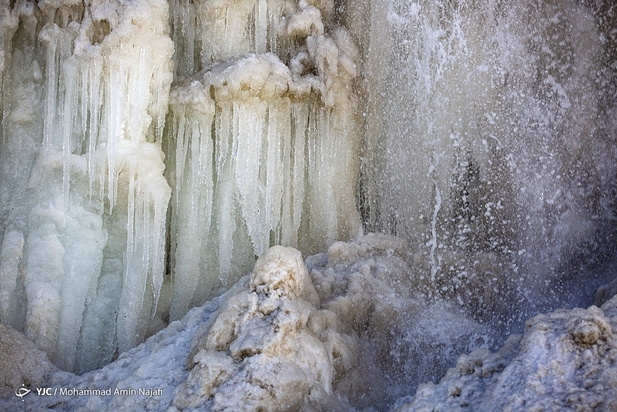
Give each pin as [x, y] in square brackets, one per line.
[263, 144]
[269, 347]
[22, 363]
[284, 339]
[84, 198]
[486, 134]
[260, 149]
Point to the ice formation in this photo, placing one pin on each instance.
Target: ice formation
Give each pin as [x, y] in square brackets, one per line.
[269, 348]
[259, 147]
[84, 196]
[289, 337]
[263, 142]
[300, 336]
[152, 150]
[565, 360]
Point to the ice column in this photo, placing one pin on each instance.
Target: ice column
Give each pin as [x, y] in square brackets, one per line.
[263, 147]
[92, 252]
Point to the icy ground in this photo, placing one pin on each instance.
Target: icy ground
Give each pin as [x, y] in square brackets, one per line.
[332, 333]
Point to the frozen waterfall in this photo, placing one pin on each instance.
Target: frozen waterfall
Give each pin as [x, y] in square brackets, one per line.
[152, 150]
[257, 135]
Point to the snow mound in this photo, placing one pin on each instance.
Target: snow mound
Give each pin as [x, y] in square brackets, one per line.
[21, 362]
[344, 330]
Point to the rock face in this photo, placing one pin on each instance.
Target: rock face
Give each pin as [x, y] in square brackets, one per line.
[566, 360]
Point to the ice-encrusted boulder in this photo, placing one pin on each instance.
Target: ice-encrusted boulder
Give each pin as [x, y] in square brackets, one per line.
[269, 347]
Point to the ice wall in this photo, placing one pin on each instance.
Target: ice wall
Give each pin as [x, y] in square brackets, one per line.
[256, 140]
[490, 134]
[482, 132]
[84, 199]
[263, 143]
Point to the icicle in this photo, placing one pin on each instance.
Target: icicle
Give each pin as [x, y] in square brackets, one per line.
[181, 153]
[158, 246]
[273, 12]
[285, 218]
[83, 73]
[226, 221]
[133, 281]
[301, 119]
[251, 189]
[261, 26]
[130, 222]
[68, 122]
[94, 99]
[273, 186]
[113, 132]
[206, 153]
[52, 72]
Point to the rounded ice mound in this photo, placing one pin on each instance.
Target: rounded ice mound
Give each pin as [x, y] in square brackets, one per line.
[566, 360]
[268, 347]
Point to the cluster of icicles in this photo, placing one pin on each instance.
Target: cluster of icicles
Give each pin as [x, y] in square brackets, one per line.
[151, 188]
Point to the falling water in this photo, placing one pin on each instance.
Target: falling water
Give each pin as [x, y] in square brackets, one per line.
[490, 140]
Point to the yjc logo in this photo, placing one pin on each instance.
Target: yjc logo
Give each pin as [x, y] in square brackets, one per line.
[22, 391]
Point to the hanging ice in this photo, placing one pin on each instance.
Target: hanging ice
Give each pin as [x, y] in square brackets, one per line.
[83, 252]
[262, 142]
[260, 149]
